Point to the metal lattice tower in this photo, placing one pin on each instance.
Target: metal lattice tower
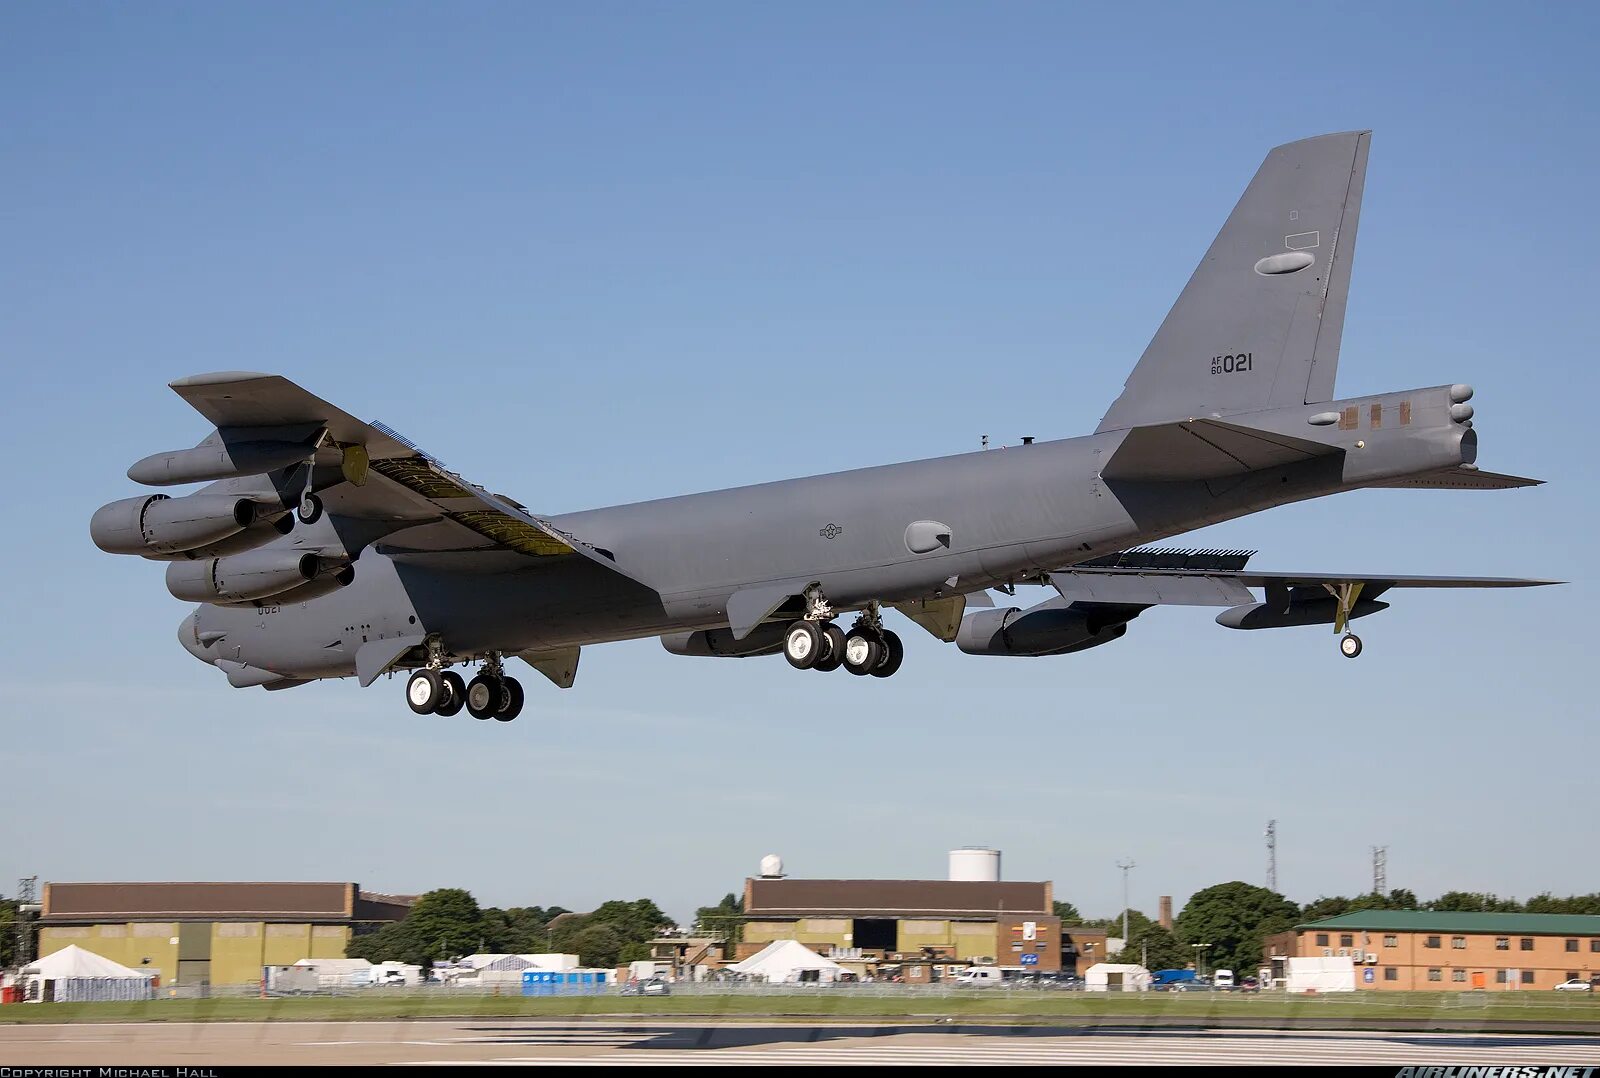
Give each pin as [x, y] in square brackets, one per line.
[27, 895]
[1125, 866]
[1272, 855]
[1380, 870]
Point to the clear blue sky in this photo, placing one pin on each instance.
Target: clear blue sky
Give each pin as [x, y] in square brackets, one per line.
[603, 252]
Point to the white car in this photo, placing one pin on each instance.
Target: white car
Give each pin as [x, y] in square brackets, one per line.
[1574, 985]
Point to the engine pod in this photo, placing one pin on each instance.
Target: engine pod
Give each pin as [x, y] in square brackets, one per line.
[239, 578]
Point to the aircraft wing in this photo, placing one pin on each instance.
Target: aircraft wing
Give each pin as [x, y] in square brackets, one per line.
[366, 472]
[1197, 587]
[1156, 577]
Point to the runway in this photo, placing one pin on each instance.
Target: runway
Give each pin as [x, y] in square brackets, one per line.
[518, 1042]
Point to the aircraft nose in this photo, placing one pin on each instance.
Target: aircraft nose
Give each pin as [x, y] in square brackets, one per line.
[189, 637]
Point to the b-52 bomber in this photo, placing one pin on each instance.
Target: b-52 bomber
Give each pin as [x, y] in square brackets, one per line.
[325, 546]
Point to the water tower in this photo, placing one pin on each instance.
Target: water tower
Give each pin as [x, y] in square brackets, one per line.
[975, 864]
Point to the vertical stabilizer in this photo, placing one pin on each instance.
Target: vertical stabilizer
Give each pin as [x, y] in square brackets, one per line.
[1259, 323]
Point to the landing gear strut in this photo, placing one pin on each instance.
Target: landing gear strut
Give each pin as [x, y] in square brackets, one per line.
[1346, 595]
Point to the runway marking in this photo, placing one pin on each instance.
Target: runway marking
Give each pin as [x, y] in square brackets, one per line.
[1184, 1051]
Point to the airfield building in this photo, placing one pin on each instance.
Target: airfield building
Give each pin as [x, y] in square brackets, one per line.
[194, 934]
[918, 926]
[1420, 950]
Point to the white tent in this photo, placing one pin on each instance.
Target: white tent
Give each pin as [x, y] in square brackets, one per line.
[1116, 977]
[81, 975]
[784, 961]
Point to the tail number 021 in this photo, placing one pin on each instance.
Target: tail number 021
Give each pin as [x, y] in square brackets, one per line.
[1238, 363]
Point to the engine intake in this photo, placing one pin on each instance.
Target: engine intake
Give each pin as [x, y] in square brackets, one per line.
[239, 578]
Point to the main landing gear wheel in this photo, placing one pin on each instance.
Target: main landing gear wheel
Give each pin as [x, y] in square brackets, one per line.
[894, 654]
[862, 653]
[803, 644]
[510, 699]
[455, 694]
[832, 649]
[424, 690]
[309, 511]
[485, 694]
[1350, 645]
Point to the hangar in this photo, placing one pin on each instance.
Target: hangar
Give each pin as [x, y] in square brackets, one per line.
[979, 919]
[210, 933]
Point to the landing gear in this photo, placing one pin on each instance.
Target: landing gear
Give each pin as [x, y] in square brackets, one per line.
[1346, 594]
[832, 648]
[894, 654]
[424, 690]
[803, 644]
[511, 700]
[434, 690]
[483, 696]
[309, 511]
[455, 694]
[862, 651]
[816, 643]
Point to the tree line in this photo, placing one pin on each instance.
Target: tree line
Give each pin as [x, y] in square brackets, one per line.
[448, 923]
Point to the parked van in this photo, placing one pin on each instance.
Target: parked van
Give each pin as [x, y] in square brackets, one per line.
[980, 976]
[1222, 979]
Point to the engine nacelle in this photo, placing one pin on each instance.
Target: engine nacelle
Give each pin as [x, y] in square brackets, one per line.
[1321, 611]
[1056, 627]
[240, 578]
[764, 640]
[158, 524]
[216, 459]
[327, 582]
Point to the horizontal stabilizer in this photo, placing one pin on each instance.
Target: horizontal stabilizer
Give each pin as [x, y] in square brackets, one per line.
[1461, 479]
[1196, 449]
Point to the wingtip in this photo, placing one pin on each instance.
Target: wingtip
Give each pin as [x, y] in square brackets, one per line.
[216, 378]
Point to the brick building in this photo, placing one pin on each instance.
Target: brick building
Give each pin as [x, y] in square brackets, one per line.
[1420, 950]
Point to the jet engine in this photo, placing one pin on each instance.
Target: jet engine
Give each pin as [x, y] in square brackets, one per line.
[1056, 627]
[156, 525]
[765, 640]
[239, 578]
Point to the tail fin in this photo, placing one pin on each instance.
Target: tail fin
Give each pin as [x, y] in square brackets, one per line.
[1258, 324]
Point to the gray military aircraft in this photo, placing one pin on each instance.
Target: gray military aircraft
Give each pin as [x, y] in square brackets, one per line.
[324, 546]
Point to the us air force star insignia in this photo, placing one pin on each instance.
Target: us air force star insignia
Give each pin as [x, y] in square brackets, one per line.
[831, 531]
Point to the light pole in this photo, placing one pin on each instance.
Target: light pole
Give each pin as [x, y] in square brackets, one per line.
[1125, 866]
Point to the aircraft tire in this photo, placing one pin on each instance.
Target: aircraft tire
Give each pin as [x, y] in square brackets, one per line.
[862, 653]
[833, 649]
[894, 653]
[484, 696]
[1350, 645]
[511, 700]
[455, 694]
[309, 511]
[424, 690]
[802, 644]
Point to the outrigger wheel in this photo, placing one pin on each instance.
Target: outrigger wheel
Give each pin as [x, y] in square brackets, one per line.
[1350, 645]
